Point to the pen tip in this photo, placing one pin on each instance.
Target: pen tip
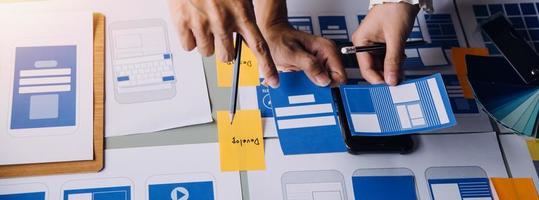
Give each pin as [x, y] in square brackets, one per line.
[231, 118]
[345, 50]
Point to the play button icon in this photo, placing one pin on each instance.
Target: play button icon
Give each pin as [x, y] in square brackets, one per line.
[179, 193]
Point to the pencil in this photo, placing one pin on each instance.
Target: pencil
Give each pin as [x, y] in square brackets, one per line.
[235, 78]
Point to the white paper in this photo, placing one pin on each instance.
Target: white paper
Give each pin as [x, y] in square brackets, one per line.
[189, 106]
[518, 157]
[477, 149]
[43, 135]
[182, 102]
[138, 168]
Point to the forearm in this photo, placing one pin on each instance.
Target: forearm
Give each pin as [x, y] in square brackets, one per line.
[269, 13]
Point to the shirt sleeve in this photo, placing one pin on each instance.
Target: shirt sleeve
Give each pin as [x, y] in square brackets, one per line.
[426, 5]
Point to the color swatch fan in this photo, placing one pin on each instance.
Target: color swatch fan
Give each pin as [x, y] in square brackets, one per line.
[503, 93]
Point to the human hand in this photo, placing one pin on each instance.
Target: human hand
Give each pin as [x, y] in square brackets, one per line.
[295, 50]
[209, 25]
[388, 23]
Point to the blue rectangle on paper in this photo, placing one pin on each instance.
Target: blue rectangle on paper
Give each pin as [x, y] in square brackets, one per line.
[420, 112]
[179, 191]
[105, 193]
[384, 187]
[26, 59]
[334, 28]
[301, 137]
[23, 196]
[301, 23]
[168, 78]
[469, 188]
[264, 100]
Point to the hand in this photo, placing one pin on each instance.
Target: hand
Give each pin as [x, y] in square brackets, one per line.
[388, 23]
[295, 50]
[209, 24]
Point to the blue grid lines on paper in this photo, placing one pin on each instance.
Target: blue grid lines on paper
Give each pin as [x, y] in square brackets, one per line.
[459, 104]
[523, 17]
[430, 112]
[386, 110]
[302, 23]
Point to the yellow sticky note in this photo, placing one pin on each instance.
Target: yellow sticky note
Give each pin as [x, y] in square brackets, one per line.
[514, 188]
[249, 75]
[241, 143]
[458, 56]
[533, 146]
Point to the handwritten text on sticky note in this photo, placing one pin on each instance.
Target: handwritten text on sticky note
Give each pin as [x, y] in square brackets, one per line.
[241, 143]
[249, 75]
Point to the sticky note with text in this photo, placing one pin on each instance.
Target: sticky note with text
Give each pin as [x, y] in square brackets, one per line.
[249, 75]
[241, 143]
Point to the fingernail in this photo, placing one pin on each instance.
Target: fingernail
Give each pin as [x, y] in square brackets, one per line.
[322, 80]
[272, 82]
[391, 80]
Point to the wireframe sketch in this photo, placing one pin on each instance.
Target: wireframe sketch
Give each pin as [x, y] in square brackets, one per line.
[142, 63]
[313, 185]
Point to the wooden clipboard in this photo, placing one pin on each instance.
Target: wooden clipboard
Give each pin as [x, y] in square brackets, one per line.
[97, 164]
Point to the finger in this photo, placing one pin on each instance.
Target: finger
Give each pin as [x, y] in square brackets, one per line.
[392, 60]
[224, 47]
[204, 39]
[186, 38]
[367, 65]
[327, 55]
[316, 72]
[258, 45]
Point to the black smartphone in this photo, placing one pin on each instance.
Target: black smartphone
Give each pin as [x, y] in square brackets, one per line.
[514, 48]
[371, 144]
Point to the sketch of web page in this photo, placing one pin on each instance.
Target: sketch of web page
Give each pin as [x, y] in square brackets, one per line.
[109, 193]
[334, 28]
[523, 15]
[384, 184]
[466, 183]
[313, 185]
[459, 104]
[142, 63]
[44, 89]
[443, 36]
[414, 106]
[104, 189]
[305, 116]
[181, 187]
[302, 23]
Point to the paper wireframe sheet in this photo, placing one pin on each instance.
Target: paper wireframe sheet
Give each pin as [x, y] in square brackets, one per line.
[305, 116]
[152, 173]
[47, 87]
[410, 107]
